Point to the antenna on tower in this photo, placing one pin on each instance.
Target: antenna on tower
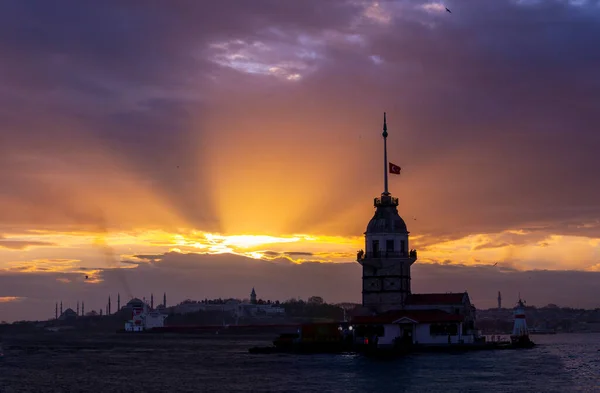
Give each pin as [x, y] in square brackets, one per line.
[385, 160]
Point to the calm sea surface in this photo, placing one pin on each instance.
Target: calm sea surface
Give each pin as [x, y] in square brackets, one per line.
[116, 363]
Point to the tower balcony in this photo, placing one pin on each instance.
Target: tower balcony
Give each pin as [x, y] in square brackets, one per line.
[374, 258]
[385, 200]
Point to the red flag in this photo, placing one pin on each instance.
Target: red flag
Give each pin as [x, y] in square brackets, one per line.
[395, 169]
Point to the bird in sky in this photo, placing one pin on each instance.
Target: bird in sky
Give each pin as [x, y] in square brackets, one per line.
[448, 10]
[86, 277]
[495, 264]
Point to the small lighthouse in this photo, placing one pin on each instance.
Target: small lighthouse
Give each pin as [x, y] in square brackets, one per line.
[387, 259]
[520, 334]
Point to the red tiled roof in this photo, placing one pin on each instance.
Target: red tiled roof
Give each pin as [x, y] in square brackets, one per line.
[424, 299]
[420, 316]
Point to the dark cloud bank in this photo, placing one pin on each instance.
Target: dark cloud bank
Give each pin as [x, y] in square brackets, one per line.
[493, 116]
[212, 276]
[492, 108]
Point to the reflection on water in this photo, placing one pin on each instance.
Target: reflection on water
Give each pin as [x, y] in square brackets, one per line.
[561, 363]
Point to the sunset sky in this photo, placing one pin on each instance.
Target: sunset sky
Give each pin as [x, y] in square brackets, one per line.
[138, 139]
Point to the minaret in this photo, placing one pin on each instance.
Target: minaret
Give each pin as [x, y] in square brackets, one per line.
[82, 308]
[499, 301]
[61, 307]
[387, 258]
[152, 301]
[56, 311]
[165, 300]
[108, 307]
[118, 302]
[253, 296]
[78, 308]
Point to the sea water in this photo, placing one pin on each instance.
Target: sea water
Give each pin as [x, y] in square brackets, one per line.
[115, 363]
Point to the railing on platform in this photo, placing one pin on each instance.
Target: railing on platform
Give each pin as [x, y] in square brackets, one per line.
[385, 200]
[386, 254]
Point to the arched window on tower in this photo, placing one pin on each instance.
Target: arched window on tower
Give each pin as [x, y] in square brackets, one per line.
[402, 247]
[389, 246]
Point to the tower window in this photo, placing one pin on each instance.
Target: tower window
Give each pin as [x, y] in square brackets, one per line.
[375, 250]
[402, 247]
[389, 246]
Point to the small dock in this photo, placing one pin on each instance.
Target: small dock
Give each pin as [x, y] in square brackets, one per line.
[345, 348]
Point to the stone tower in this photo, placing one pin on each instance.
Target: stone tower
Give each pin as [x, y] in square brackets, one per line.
[253, 296]
[387, 258]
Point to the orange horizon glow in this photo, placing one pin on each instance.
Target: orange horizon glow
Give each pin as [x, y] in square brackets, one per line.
[275, 206]
[472, 250]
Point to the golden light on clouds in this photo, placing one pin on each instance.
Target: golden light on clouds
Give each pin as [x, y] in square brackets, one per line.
[9, 299]
[56, 265]
[513, 248]
[276, 206]
[296, 248]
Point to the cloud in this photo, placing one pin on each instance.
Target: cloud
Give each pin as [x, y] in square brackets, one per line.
[448, 84]
[7, 299]
[193, 276]
[22, 245]
[151, 127]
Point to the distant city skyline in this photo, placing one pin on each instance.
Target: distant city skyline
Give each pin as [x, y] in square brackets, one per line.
[205, 149]
[184, 277]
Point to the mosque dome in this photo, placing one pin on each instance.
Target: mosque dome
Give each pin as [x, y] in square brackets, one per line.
[135, 302]
[386, 218]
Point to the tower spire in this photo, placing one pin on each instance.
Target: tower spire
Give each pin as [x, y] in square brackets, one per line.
[385, 160]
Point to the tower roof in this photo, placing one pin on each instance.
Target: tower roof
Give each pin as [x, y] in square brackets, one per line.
[386, 218]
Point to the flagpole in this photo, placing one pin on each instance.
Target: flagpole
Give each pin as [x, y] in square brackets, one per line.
[385, 160]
